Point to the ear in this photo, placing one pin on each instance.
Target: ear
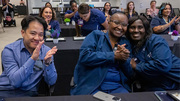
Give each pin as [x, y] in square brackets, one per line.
[22, 33]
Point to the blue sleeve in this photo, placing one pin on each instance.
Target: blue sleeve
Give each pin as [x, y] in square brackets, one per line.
[68, 12]
[16, 74]
[155, 22]
[50, 74]
[158, 62]
[89, 56]
[127, 69]
[76, 17]
[126, 66]
[101, 18]
[55, 25]
[103, 12]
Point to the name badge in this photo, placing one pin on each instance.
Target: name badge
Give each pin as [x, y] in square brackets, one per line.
[80, 22]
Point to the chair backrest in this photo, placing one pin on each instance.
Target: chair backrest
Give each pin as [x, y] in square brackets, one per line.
[1, 14]
[1, 63]
[176, 49]
[45, 89]
[21, 10]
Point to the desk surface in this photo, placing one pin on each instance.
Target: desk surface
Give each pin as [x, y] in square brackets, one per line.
[143, 96]
[65, 60]
[68, 44]
[71, 44]
[169, 40]
[67, 31]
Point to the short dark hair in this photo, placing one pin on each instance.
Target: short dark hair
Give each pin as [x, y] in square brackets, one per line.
[148, 30]
[83, 8]
[71, 2]
[53, 15]
[152, 1]
[118, 13]
[28, 19]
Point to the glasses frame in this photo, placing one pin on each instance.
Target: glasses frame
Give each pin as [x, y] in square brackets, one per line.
[118, 24]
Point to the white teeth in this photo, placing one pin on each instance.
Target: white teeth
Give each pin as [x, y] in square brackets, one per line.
[118, 31]
[136, 35]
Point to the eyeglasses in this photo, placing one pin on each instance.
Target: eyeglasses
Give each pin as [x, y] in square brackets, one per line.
[117, 23]
[108, 5]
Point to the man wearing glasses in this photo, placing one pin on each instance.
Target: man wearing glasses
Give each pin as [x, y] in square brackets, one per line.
[27, 61]
[102, 56]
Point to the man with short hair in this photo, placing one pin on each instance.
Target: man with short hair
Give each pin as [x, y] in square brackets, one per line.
[27, 61]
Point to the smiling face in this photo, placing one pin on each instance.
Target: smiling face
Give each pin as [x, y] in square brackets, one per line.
[74, 6]
[118, 25]
[47, 14]
[153, 4]
[131, 6]
[137, 30]
[107, 6]
[166, 11]
[32, 35]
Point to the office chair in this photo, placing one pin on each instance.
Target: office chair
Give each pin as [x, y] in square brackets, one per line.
[1, 16]
[45, 89]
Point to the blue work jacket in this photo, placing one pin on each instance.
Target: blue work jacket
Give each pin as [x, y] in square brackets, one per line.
[157, 68]
[96, 54]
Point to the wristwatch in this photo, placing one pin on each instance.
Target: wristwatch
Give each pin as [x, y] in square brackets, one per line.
[47, 64]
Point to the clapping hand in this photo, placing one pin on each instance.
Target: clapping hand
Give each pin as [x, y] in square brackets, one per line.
[49, 54]
[35, 54]
[75, 10]
[177, 20]
[174, 20]
[49, 26]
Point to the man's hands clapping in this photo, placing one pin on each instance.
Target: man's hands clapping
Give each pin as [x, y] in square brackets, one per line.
[48, 56]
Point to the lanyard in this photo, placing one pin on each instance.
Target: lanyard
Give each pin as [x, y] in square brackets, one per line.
[167, 23]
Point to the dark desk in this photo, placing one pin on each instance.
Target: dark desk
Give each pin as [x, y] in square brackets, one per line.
[67, 31]
[170, 41]
[143, 96]
[65, 61]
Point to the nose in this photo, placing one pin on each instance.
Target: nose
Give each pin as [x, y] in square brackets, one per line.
[48, 13]
[37, 37]
[83, 18]
[119, 26]
[136, 30]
